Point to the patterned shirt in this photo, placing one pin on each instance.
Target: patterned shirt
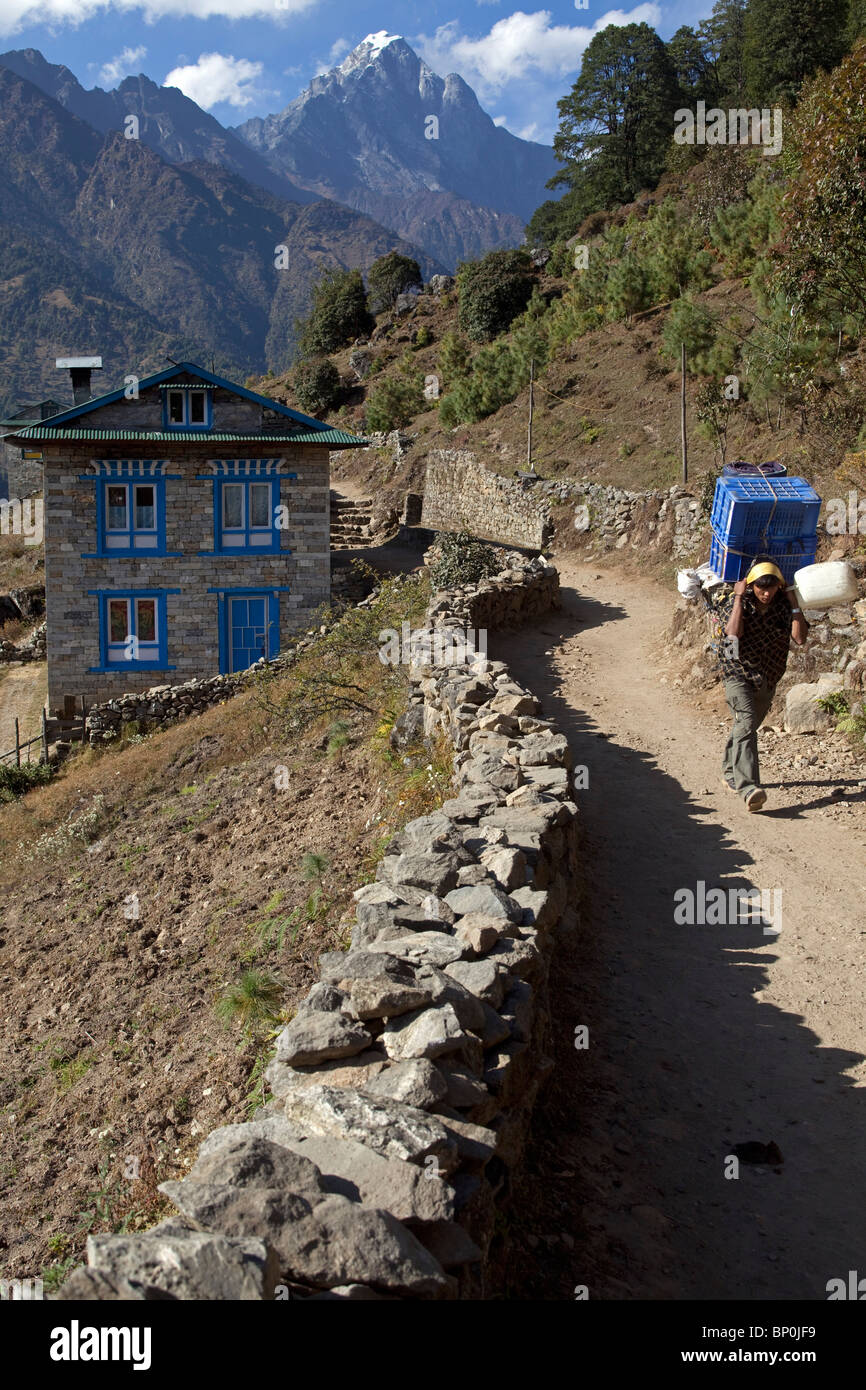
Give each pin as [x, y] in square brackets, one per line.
[761, 654]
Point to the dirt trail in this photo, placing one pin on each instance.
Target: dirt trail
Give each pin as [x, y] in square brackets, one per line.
[701, 1037]
[23, 691]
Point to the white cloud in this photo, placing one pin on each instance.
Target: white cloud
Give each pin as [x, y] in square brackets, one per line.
[339, 49]
[520, 46]
[500, 120]
[17, 14]
[216, 77]
[117, 68]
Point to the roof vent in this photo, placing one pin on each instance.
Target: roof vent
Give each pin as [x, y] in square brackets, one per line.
[79, 370]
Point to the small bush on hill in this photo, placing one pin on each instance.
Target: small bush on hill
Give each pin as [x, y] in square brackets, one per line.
[316, 384]
[15, 781]
[392, 404]
[339, 313]
[389, 276]
[493, 291]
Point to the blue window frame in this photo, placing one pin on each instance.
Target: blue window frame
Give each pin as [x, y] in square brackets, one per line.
[133, 633]
[249, 626]
[187, 409]
[131, 516]
[245, 514]
[130, 507]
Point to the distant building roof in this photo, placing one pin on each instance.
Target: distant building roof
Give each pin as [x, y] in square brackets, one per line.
[30, 415]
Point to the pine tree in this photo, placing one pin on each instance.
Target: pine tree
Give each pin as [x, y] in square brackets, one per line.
[724, 35]
[787, 41]
[617, 121]
[695, 62]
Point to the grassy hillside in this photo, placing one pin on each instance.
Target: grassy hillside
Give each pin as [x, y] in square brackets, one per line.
[165, 902]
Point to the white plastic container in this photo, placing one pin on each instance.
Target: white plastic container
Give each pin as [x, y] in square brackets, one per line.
[832, 584]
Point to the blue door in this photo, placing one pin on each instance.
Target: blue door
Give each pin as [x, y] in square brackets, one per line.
[248, 630]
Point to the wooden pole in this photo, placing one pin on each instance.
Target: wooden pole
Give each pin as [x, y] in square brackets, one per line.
[529, 428]
[17, 745]
[44, 736]
[683, 413]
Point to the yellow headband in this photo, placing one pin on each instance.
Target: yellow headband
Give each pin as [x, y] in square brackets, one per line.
[758, 572]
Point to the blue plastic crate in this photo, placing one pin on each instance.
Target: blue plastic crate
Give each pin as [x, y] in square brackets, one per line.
[789, 554]
[750, 508]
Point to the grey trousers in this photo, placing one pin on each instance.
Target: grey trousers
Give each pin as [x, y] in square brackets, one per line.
[749, 707]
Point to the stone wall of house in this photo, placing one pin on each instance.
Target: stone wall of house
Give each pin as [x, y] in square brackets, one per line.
[73, 571]
[403, 1088]
[460, 494]
[18, 477]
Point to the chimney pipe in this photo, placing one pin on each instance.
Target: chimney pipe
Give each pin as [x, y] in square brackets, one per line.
[79, 370]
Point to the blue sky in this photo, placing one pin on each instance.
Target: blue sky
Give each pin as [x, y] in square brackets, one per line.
[241, 58]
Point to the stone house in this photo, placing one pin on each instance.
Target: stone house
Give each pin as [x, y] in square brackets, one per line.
[186, 531]
[21, 465]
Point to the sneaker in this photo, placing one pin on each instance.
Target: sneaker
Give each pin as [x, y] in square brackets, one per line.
[755, 800]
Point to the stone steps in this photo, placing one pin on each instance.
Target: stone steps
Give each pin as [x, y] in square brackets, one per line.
[350, 522]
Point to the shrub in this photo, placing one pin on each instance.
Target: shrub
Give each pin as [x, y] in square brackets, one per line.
[392, 404]
[15, 781]
[692, 324]
[316, 384]
[339, 313]
[389, 276]
[454, 358]
[493, 291]
[423, 338]
[253, 1000]
[462, 559]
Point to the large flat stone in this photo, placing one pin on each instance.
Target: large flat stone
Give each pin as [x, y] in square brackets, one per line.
[380, 997]
[430, 947]
[435, 873]
[429, 1033]
[354, 1071]
[415, 1082]
[246, 1160]
[390, 1128]
[321, 1037]
[195, 1266]
[354, 1171]
[486, 899]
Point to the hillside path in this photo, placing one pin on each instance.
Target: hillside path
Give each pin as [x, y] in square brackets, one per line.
[23, 691]
[700, 1037]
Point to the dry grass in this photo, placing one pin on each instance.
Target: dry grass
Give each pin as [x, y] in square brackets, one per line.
[119, 772]
[15, 630]
[20, 565]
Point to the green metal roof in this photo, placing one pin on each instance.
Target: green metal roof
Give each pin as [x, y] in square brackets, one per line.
[331, 438]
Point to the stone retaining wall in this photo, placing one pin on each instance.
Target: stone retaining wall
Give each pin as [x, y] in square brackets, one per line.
[460, 494]
[31, 650]
[614, 517]
[404, 1086]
